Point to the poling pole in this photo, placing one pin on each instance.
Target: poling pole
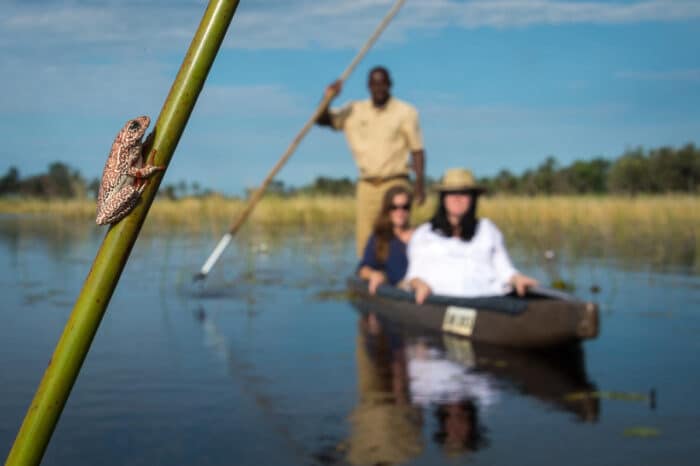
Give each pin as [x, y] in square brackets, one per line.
[74, 344]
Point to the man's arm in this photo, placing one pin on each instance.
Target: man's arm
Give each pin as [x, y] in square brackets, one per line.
[418, 164]
[324, 119]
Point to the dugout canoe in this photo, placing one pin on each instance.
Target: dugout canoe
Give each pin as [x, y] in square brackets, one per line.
[543, 318]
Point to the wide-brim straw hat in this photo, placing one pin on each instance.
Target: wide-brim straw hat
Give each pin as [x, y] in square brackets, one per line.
[459, 179]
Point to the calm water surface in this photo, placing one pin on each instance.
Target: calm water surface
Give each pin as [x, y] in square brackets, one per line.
[268, 363]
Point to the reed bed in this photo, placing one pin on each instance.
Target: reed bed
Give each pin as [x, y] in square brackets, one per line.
[641, 214]
[195, 214]
[655, 229]
[661, 227]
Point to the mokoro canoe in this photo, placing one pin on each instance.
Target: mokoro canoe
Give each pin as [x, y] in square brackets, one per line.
[542, 318]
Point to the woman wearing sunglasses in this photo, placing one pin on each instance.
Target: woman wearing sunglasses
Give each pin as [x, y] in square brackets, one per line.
[384, 259]
[458, 254]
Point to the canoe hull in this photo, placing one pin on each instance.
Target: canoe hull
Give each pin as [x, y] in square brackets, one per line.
[539, 321]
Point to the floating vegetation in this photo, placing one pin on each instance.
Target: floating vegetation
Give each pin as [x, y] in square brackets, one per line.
[563, 285]
[640, 431]
[333, 295]
[610, 395]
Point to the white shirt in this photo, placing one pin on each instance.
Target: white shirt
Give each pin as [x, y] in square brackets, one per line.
[454, 267]
[434, 379]
[380, 138]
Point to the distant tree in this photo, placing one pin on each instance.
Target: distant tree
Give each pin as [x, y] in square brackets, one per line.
[195, 188]
[181, 188]
[630, 173]
[9, 183]
[276, 187]
[545, 176]
[689, 166]
[664, 169]
[504, 181]
[674, 170]
[528, 183]
[586, 176]
[58, 182]
[168, 191]
[331, 186]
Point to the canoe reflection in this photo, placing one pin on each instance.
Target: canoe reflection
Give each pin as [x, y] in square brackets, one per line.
[409, 382]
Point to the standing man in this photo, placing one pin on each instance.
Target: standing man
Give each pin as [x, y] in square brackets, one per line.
[381, 132]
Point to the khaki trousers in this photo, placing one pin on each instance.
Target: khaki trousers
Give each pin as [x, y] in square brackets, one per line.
[369, 204]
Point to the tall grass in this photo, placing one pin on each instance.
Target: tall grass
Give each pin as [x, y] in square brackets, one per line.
[661, 226]
[605, 213]
[660, 229]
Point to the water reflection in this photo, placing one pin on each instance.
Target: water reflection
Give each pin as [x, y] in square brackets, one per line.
[410, 383]
[386, 425]
[251, 383]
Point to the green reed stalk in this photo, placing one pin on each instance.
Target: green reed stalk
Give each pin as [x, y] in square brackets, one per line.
[71, 350]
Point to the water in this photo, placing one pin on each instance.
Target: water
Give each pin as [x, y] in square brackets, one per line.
[268, 363]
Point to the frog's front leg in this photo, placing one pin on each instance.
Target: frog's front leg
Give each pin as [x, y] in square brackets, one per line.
[145, 171]
[118, 204]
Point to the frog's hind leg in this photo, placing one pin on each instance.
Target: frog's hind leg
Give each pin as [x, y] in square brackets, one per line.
[119, 205]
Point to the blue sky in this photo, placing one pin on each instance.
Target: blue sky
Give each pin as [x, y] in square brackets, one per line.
[498, 84]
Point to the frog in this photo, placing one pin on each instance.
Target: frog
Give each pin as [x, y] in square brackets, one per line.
[125, 172]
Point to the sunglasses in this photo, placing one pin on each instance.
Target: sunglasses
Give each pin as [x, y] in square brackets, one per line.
[463, 192]
[405, 207]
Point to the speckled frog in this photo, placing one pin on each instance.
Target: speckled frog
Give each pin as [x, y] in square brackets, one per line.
[123, 178]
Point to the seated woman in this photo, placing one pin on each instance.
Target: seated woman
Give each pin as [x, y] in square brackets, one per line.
[384, 259]
[456, 254]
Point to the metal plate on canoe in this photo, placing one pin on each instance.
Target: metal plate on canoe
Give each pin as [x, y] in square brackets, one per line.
[459, 320]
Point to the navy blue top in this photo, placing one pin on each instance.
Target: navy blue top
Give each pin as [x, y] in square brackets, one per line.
[396, 263]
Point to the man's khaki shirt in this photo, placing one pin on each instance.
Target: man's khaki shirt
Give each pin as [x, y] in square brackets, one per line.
[380, 139]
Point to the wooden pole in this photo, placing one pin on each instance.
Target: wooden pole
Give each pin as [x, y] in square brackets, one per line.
[74, 344]
[258, 194]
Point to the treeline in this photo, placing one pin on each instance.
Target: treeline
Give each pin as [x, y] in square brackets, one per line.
[663, 170]
[63, 182]
[60, 181]
[322, 185]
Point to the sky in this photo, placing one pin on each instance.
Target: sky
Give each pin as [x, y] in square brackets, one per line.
[499, 84]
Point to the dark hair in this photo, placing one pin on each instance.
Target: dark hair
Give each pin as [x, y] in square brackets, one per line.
[475, 439]
[380, 69]
[467, 225]
[383, 228]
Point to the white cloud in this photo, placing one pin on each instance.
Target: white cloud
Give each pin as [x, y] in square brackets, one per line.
[302, 24]
[518, 13]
